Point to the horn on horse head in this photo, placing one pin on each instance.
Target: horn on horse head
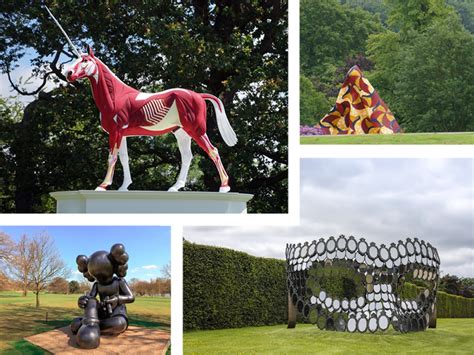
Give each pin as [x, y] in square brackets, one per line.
[73, 47]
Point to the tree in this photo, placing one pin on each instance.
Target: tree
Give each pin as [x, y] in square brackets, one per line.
[21, 263]
[330, 33]
[313, 104]
[6, 247]
[58, 285]
[74, 286]
[46, 264]
[166, 270]
[424, 70]
[236, 50]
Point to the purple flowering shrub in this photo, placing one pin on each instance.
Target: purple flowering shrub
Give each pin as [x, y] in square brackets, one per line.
[311, 131]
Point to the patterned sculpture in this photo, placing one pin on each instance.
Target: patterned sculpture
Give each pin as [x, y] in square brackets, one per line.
[108, 315]
[359, 109]
[124, 111]
[348, 285]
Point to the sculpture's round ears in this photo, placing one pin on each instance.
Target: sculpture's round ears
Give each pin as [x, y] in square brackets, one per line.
[81, 262]
[89, 50]
[120, 259]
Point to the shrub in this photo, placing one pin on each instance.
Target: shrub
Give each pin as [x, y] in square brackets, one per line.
[224, 288]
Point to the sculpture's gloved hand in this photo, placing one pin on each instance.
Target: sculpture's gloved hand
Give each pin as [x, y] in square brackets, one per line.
[113, 301]
[82, 301]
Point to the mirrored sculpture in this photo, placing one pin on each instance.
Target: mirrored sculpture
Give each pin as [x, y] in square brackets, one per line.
[125, 112]
[108, 314]
[345, 284]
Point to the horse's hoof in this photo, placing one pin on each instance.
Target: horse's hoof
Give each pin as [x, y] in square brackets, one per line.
[100, 188]
[175, 187]
[224, 189]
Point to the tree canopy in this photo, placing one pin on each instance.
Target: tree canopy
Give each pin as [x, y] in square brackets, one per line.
[420, 59]
[234, 50]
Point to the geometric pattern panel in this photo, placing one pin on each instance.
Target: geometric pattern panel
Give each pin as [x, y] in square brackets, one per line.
[348, 284]
[359, 109]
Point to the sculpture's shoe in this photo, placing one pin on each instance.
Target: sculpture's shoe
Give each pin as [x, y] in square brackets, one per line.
[224, 189]
[88, 336]
[100, 188]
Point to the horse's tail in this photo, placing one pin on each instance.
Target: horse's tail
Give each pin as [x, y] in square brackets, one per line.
[225, 129]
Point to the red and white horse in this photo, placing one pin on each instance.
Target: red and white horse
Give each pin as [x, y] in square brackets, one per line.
[124, 112]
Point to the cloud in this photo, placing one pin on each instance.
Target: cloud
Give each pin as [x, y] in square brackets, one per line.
[150, 267]
[382, 200]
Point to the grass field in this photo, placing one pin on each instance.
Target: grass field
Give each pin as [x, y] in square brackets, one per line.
[19, 318]
[452, 336]
[404, 138]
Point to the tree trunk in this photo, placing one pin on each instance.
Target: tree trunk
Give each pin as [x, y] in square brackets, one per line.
[25, 292]
[37, 299]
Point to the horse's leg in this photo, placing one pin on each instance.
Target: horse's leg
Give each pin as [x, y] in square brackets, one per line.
[204, 142]
[184, 144]
[123, 155]
[110, 171]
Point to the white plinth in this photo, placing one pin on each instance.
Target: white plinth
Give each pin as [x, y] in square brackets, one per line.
[86, 201]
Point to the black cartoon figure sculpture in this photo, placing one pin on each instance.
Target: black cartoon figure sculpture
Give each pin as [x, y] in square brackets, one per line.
[109, 314]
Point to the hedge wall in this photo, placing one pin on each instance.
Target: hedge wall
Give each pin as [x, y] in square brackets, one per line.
[224, 288]
[447, 306]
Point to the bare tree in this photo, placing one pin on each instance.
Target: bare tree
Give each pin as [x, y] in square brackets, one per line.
[47, 264]
[166, 270]
[6, 246]
[20, 263]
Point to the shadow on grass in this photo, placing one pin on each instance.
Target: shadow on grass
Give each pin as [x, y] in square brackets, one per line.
[25, 347]
[147, 323]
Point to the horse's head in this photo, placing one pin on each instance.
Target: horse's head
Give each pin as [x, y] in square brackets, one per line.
[85, 66]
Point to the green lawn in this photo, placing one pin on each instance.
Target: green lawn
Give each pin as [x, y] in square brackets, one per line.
[452, 336]
[403, 138]
[19, 318]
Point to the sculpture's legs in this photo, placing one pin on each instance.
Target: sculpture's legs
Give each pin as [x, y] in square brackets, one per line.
[88, 336]
[206, 144]
[291, 313]
[76, 324]
[184, 145]
[114, 325]
[110, 171]
[123, 155]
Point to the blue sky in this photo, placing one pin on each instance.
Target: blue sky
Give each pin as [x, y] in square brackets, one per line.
[149, 248]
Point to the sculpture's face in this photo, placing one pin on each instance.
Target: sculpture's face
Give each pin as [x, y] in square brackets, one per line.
[84, 67]
[351, 285]
[100, 267]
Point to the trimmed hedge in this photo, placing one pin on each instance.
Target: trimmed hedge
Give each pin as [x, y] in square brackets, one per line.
[447, 306]
[224, 288]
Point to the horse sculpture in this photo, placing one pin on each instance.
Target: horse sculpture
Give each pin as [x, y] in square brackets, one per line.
[124, 112]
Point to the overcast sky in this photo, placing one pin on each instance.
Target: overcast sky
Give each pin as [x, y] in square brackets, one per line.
[382, 200]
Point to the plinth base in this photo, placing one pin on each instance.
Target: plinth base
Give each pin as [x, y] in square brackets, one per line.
[86, 201]
[134, 340]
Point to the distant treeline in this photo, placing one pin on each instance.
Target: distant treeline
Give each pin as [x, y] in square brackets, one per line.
[418, 54]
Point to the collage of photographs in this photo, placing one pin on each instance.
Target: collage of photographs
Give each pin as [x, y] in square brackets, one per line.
[237, 177]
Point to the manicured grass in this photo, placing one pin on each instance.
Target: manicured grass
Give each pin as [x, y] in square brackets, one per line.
[452, 336]
[404, 138]
[19, 318]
